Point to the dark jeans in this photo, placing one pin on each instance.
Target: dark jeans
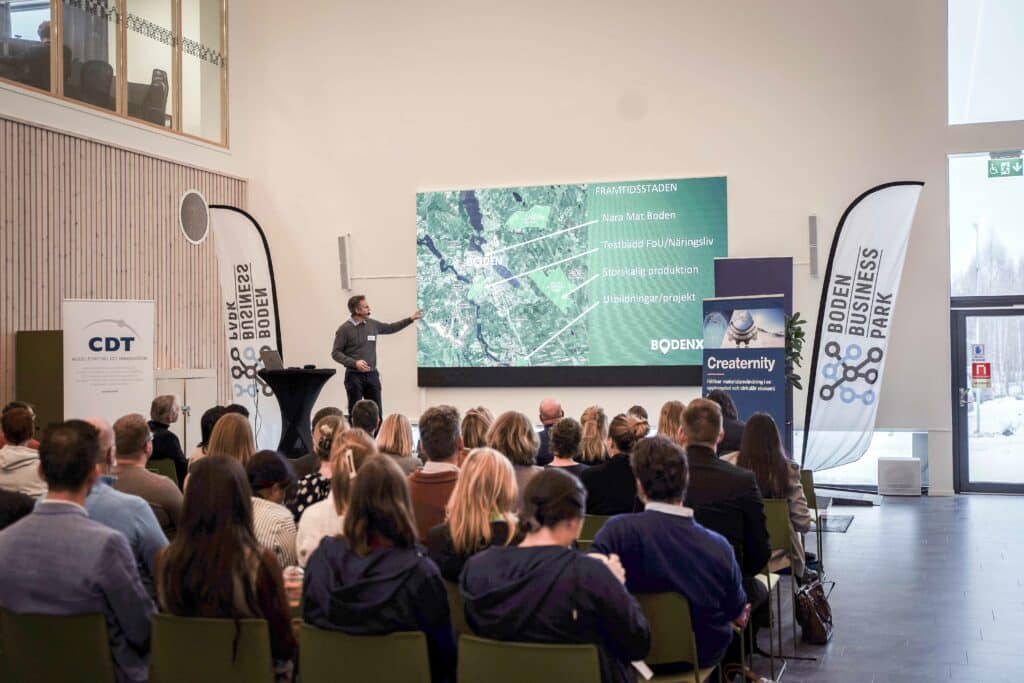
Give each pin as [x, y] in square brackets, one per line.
[360, 385]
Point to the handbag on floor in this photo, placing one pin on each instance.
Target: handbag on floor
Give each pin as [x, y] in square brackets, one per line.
[814, 614]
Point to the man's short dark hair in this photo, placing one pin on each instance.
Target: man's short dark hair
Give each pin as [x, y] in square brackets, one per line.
[439, 432]
[660, 467]
[236, 408]
[366, 416]
[702, 421]
[16, 404]
[565, 437]
[131, 434]
[353, 303]
[68, 454]
[18, 425]
[326, 412]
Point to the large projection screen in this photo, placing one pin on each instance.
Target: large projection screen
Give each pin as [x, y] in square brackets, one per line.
[567, 285]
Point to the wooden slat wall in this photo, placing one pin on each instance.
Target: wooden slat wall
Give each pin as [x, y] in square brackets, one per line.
[84, 220]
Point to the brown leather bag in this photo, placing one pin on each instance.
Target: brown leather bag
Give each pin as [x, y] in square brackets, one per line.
[814, 614]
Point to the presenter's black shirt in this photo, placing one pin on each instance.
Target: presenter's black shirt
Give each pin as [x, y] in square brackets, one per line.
[354, 342]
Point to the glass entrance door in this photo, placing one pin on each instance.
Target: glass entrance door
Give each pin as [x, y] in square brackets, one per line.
[988, 397]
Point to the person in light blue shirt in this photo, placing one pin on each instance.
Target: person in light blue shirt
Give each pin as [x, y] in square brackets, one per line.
[129, 514]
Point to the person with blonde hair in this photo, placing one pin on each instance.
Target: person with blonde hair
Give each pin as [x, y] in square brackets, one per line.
[350, 450]
[394, 439]
[475, 424]
[593, 448]
[232, 436]
[479, 512]
[513, 436]
[671, 420]
[611, 486]
[327, 423]
[314, 486]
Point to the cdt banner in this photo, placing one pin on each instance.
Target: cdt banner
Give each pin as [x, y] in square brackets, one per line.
[854, 319]
[108, 358]
[744, 353]
[250, 315]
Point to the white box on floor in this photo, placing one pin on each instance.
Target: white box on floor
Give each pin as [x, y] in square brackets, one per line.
[899, 476]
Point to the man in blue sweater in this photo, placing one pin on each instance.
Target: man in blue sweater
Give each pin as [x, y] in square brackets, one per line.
[663, 549]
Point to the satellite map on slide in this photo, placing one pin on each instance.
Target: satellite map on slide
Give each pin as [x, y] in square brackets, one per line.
[503, 272]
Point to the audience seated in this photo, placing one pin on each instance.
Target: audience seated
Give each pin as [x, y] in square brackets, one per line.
[19, 464]
[565, 446]
[663, 549]
[14, 506]
[513, 436]
[611, 488]
[324, 518]
[163, 413]
[57, 561]
[270, 478]
[475, 425]
[593, 445]
[777, 477]
[550, 412]
[366, 416]
[479, 512]
[123, 512]
[395, 440]
[232, 436]
[32, 443]
[671, 420]
[726, 499]
[325, 428]
[315, 486]
[732, 426]
[542, 591]
[215, 568]
[132, 448]
[431, 487]
[206, 425]
[374, 579]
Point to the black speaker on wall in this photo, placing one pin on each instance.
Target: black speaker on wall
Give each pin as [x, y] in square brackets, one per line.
[194, 217]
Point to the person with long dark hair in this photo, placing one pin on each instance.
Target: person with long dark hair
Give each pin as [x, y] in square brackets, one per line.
[611, 486]
[374, 578]
[732, 425]
[543, 591]
[778, 477]
[215, 568]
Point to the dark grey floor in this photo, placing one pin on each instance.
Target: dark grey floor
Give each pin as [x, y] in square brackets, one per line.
[928, 589]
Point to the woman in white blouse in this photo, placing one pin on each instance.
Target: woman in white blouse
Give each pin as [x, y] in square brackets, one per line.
[270, 477]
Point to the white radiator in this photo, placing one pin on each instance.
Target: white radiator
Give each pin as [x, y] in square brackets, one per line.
[899, 476]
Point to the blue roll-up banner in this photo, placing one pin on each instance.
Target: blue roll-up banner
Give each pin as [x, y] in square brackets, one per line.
[744, 353]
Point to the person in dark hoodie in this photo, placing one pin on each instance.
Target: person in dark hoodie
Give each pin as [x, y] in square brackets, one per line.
[374, 579]
[542, 591]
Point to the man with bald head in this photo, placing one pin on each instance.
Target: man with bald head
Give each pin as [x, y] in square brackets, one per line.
[550, 413]
[123, 512]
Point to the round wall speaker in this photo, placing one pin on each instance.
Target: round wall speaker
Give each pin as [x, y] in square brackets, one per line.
[194, 217]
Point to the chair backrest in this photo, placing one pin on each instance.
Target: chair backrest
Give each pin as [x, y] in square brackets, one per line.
[807, 481]
[457, 609]
[154, 107]
[210, 650]
[493, 661]
[47, 648]
[591, 525]
[672, 637]
[328, 656]
[164, 466]
[776, 512]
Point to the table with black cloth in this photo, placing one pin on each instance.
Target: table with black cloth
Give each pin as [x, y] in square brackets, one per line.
[297, 390]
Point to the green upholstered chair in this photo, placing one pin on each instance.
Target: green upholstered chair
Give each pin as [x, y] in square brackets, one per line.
[331, 656]
[165, 467]
[48, 648]
[672, 636]
[493, 661]
[210, 650]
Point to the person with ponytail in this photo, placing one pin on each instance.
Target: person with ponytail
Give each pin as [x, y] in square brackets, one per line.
[611, 486]
[314, 486]
[350, 450]
[593, 449]
[543, 591]
[479, 512]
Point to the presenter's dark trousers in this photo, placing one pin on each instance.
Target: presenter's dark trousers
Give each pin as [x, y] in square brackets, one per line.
[360, 385]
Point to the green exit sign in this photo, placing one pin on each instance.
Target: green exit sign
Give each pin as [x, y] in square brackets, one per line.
[1005, 168]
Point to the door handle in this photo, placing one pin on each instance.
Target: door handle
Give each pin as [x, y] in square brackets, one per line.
[965, 397]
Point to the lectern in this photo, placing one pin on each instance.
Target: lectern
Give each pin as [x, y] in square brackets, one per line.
[297, 390]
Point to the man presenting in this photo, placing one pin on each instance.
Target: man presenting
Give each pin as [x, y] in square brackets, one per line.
[355, 347]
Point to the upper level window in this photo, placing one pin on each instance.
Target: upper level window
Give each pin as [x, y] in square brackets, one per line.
[985, 54]
[25, 42]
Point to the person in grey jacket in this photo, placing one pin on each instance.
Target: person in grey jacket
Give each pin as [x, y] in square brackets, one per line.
[355, 347]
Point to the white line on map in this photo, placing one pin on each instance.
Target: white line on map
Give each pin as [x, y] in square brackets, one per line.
[515, 277]
[542, 237]
[580, 286]
[568, 325]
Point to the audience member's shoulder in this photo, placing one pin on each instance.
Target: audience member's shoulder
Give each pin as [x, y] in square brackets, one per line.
[716, 544]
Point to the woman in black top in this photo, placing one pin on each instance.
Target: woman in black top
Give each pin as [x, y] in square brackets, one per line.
[479, 512]
[611, 486]
[542, 591]
[565, 446]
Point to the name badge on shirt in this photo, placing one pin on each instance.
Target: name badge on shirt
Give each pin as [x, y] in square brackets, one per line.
[371, 337]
